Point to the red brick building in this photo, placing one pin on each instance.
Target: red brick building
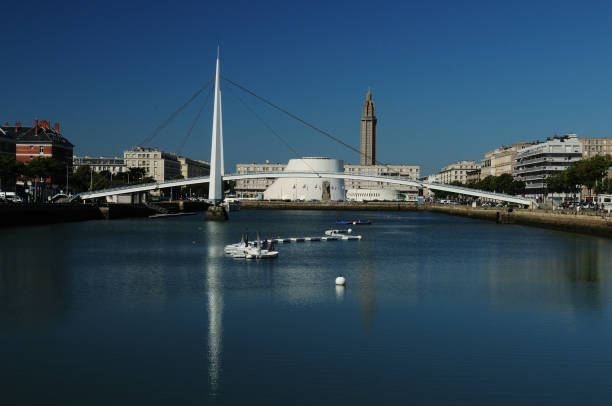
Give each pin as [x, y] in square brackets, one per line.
[39, 141]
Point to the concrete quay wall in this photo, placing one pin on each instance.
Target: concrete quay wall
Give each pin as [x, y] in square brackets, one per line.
[12, 215]
[592, 224]
[373, 206]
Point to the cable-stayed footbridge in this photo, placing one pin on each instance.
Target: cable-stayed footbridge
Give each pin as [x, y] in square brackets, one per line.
[218, 175]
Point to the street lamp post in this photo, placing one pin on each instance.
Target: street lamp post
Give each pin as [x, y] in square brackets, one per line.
[67, 179]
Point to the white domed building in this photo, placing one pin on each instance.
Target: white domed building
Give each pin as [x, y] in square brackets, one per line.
[308, 189]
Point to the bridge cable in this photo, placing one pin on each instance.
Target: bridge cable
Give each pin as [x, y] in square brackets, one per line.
[317, 129]
[173, 115]
[297, 154]
[195, 120]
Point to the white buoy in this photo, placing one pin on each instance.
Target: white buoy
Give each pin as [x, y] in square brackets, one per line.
[340, 281]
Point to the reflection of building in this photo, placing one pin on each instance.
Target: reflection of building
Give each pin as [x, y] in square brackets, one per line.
[596, 146]
[500, 160]
[402, 172]
[255, 187]
[100, 164]
[159, 165]
[368, 132]
[536, 163]
[191, 168]
[457, 171]
[308, 188]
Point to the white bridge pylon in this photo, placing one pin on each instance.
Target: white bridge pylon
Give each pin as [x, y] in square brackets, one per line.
[215, 190]
[329, 175]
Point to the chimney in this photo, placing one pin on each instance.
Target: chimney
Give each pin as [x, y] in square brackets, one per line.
[56, 127]
[36, 128]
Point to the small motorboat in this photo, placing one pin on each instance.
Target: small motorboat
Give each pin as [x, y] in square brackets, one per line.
[354, 222]
[239, 246]
[338, 233]
[256, 252]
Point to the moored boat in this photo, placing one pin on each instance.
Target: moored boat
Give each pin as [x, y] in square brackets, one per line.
[354, 222]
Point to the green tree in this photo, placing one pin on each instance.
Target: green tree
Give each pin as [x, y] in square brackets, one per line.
[136, 174]
[503, 183]
[10, 170]
[81, 178]
[517, 187]
[486, 184]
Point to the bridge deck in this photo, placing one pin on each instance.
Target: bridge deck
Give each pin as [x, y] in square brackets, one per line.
[328, 175]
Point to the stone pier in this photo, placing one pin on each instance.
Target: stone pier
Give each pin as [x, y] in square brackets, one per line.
[216, 213]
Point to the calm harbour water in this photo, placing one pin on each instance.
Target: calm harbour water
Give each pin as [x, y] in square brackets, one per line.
[437, 310]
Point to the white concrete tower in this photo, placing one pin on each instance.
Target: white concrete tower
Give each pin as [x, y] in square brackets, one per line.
[215, 191]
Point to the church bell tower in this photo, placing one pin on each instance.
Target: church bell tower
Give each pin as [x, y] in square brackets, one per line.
[368, 132]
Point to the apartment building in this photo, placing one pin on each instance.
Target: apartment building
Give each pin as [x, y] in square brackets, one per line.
[100, 164]
[405, 172]
[191, 168]
[159, 165]
[535, 163]
[457, 171]
[596, 146]
[500, 160]
[255, 187]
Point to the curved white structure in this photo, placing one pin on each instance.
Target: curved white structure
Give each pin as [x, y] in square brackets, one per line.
[138, 189]
[307, 189]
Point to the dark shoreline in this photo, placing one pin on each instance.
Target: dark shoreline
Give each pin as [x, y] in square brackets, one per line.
[16, 215]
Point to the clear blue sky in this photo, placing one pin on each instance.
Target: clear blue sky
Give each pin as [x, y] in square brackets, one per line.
[451, 80]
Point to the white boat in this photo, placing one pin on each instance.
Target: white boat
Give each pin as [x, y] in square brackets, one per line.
[239, 247]
[256, 252]
[239, 254]
[338, 233]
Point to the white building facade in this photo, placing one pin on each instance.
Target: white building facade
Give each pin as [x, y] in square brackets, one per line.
[534, 164]
[457, 171]
[402, 172]
[191, 168]
[251, 188]
[157, 164]
[100, 164]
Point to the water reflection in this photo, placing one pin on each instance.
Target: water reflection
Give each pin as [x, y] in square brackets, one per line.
[567, 281]
[215, 325]
[34, 280]
[367, 285]
[216, 234]
[339, 293]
